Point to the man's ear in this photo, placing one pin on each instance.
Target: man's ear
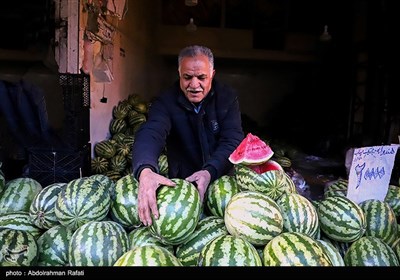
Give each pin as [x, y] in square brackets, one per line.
[213, 74]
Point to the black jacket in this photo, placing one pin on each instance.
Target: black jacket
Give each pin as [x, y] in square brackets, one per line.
[193, 141]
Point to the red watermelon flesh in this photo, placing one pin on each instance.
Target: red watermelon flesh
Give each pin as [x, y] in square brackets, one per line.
[251, 151]
[266, 166]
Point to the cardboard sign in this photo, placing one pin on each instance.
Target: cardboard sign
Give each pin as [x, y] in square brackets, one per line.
[370, 172]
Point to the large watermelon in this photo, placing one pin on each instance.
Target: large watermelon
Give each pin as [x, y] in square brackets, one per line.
[251, 151]
[393, 198]
[81, 201]
[21, 221]
[341, 219]
[333, 253]
[228, 250]
[18, 248]
[148, 255]
[18, 195]
[207, 229]
[295, 249]
[141, 236]
[179, 210]
[97, 244]
[42, 209]
[219, 193]
[253, 216]
[53, 246]
[370, 251]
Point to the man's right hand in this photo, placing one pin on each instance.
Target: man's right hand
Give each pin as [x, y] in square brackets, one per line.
[149, 182]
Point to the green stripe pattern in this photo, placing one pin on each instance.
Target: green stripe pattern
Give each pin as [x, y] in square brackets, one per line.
[18, 195]
[42, 209]
[254, 216]
[393, 198]
[179, 210]
[18, 248]
[341, 219]
[380, 220]
[228, 250]
[335, 188]
[207, 229]
[294, 249]
[332, 252]
[97, 244]
[141, 236]
[273, 183]
[81, 201]
[21, 221]
[53, 246]
[219, 193]
[370, 251]
[148, 255]
[299, 214]
[124, 205]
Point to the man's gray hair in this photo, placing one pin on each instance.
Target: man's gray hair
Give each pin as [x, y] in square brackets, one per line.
[192, 51]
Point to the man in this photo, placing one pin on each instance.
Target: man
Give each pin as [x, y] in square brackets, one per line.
[197, 121]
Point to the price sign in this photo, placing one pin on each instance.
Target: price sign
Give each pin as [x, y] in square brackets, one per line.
[370, 172]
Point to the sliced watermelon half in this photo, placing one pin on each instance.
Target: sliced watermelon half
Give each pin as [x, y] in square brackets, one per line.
[266, 166]
[251, 151]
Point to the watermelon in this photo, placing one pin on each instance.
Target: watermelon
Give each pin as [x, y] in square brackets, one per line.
[97, 244]
[207, 229]
[337, 187]
[141, 236]
[341, 219]
[21, 221]
[42, 209]
[124, 204]
[53, 246]
[295, 249]
[251, 151]
[218, 194]
[380, 220]
[18, 195]
[333, 253]
[370, 251]
[179, 211]
[148, 255]
[228, 250]
[253, 216]
[273, 183]
[393, 198]
[18, 248]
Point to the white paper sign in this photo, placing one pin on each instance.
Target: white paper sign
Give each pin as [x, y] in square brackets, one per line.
[370, 172]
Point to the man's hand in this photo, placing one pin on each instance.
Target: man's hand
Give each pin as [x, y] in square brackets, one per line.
[149, 182]
[202, 179]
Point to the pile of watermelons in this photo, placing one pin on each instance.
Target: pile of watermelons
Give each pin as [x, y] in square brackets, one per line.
[252, 218]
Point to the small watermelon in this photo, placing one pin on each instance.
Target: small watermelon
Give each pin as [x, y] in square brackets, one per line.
[251, 151]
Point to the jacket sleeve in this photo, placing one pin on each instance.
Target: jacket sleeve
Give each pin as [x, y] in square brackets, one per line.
[150, 139]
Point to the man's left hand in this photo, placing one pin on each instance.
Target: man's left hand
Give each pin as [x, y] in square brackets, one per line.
[202, 179]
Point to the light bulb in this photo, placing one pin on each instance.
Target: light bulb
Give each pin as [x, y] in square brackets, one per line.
[191, 27]
[325, 36]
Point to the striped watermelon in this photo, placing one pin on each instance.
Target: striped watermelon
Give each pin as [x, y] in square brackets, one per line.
[228, 250]
[105, 149]
[42, 209]
[341, 219]
[380, 220]
[2, 181]
[141, 236]
[333, 253]
[121, 110]
[207, 229]
[118, 163]
[299, 214]
[295, 249]
[97, 244]
[370, 251]
[163, 165]
[117, 126]
[21, 221]
[18, 195]
[393, 198]
[253, 216]
[338, 187]
[219, 193]
[53, 246]
[179, 210]
[396, 248]
[99, 165]
[273, 183]
[124, 205]
[342, 247]
[18, 248]
[81, 201]
[148, 255]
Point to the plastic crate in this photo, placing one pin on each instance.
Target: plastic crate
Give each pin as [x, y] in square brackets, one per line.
[58, 166]
[76, 99]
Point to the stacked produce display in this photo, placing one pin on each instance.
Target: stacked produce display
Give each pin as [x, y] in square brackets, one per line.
[255, 217]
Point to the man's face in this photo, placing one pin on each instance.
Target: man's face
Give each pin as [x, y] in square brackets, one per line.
[195, 77]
